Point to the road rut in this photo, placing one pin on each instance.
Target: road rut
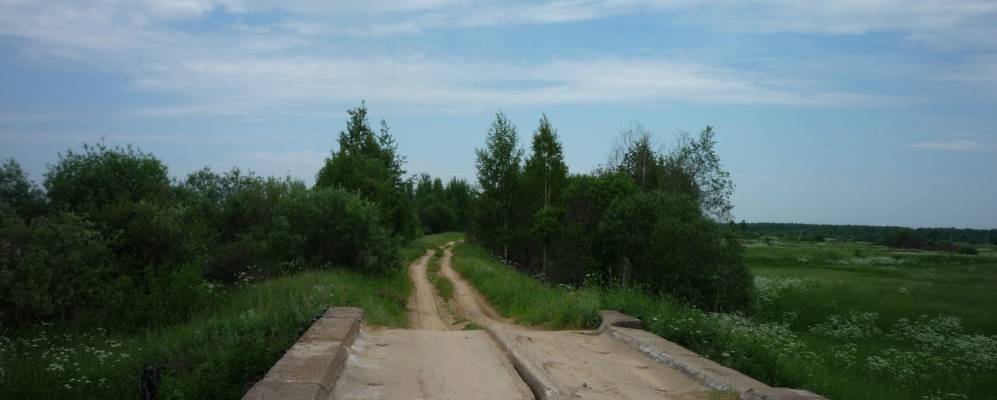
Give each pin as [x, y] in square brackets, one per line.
[431, 361]
[428, 361]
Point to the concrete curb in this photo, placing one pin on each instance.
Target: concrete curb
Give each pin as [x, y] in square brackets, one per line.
[542, 386]
[309, 369]
[703, 370]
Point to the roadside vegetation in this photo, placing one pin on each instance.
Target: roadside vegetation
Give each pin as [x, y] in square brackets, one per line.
[836, 336]
[205, 280]
[218, 353]
[111, 269]
[653, 218]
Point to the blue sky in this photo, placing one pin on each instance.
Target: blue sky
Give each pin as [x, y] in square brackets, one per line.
[863, 112]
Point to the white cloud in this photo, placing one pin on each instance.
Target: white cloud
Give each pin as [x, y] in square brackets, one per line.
[245, 86]
[243, 69]
[953, 145]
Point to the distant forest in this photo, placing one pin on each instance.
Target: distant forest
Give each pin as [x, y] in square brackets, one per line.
[888, 235]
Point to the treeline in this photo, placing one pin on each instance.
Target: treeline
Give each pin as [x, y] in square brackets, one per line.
[895, 236]
[113, 240]
[651, 218]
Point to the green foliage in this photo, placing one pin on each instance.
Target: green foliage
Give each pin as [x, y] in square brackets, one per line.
[19, 194]
[442, 208]
[54, 267]
[340, 228]
[584, 203]
[968, 250]
[927, 238]
[368, 164]
[499, 172]
[693, 164]
[544, 173]
[99, 179]
[648, 220]
[221, 348]
[662, 241]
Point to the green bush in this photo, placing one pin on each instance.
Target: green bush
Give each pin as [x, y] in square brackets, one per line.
[89, 181]
[54, 267]
[661, 241]
[19, 194]
[437, 218]
[341, 228]
[968, 250]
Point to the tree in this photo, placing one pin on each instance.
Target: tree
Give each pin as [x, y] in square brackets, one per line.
[635, 156]
[583, 204]
[126, 193]
[499, 172]
[460, 196]
[662, 241]
[544, 178]
[18, 193]
[368, 164]
[698, 161]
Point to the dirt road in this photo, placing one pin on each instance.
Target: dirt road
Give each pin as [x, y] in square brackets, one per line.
[429, 361]
[432, 362]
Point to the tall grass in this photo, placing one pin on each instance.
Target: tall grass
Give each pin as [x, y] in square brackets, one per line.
[523, 298]
[218, 353]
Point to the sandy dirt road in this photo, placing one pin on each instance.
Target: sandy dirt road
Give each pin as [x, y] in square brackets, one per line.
[428, 361]
[431, 361]
[582, 365]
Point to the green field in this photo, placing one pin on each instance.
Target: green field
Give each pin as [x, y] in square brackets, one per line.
[849, 321]
[915, 321]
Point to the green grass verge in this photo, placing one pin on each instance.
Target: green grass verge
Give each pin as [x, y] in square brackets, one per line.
[926, 359]
[217, 354]
[443, 285]
[523, 298]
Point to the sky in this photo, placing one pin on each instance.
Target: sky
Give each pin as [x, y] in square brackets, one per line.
[880, 112]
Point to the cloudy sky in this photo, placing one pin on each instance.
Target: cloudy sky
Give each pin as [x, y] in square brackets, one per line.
[839, 111]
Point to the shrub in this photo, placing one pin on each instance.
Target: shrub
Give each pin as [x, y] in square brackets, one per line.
[437, 218]
[18, 193]
[99, 176]
[968, 250]
[663, 242]
[54, 267]
[340, 228]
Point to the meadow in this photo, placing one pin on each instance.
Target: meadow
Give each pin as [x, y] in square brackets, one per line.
[846, 320]
[218, 353]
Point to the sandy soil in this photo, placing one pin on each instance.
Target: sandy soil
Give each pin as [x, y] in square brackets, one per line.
[410, 364]
[423, 311]
[428, 361]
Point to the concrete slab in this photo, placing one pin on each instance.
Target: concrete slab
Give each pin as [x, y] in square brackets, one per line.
[703, 370]
[309, 369]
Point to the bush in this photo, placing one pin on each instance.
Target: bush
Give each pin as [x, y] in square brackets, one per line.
[661, 241]
[19, 194]
[341, 228]
[968, 250]
[51, 268]
[88, 182]
[437, 218]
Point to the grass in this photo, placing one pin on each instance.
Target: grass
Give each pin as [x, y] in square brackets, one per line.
[803, 334]
[218, 353]
[443, 285]
[523, 298]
